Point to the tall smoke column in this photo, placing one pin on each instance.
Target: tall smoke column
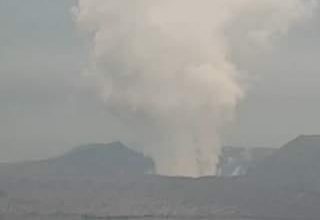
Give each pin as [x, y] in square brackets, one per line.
[164, 68]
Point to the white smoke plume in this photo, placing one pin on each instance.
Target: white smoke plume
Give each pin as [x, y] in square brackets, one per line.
[165, 68]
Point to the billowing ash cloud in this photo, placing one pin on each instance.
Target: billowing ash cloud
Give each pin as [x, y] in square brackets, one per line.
[164, 68]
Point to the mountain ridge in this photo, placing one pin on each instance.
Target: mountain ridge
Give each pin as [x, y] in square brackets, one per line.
[90, 159]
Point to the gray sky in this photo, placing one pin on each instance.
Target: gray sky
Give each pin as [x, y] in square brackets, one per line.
[45, 109]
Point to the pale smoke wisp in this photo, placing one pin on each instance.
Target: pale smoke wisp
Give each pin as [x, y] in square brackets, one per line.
[164, 68]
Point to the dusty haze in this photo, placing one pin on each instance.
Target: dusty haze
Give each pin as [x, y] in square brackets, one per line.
[48, 107]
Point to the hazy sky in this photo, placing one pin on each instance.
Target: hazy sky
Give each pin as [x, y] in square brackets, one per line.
[46, 108]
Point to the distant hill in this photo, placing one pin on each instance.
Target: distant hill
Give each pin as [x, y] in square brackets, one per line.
[87, 160]
[281, 186]
[296, 165]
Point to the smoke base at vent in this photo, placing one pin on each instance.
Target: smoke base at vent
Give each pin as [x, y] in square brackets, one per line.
[165, 69]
